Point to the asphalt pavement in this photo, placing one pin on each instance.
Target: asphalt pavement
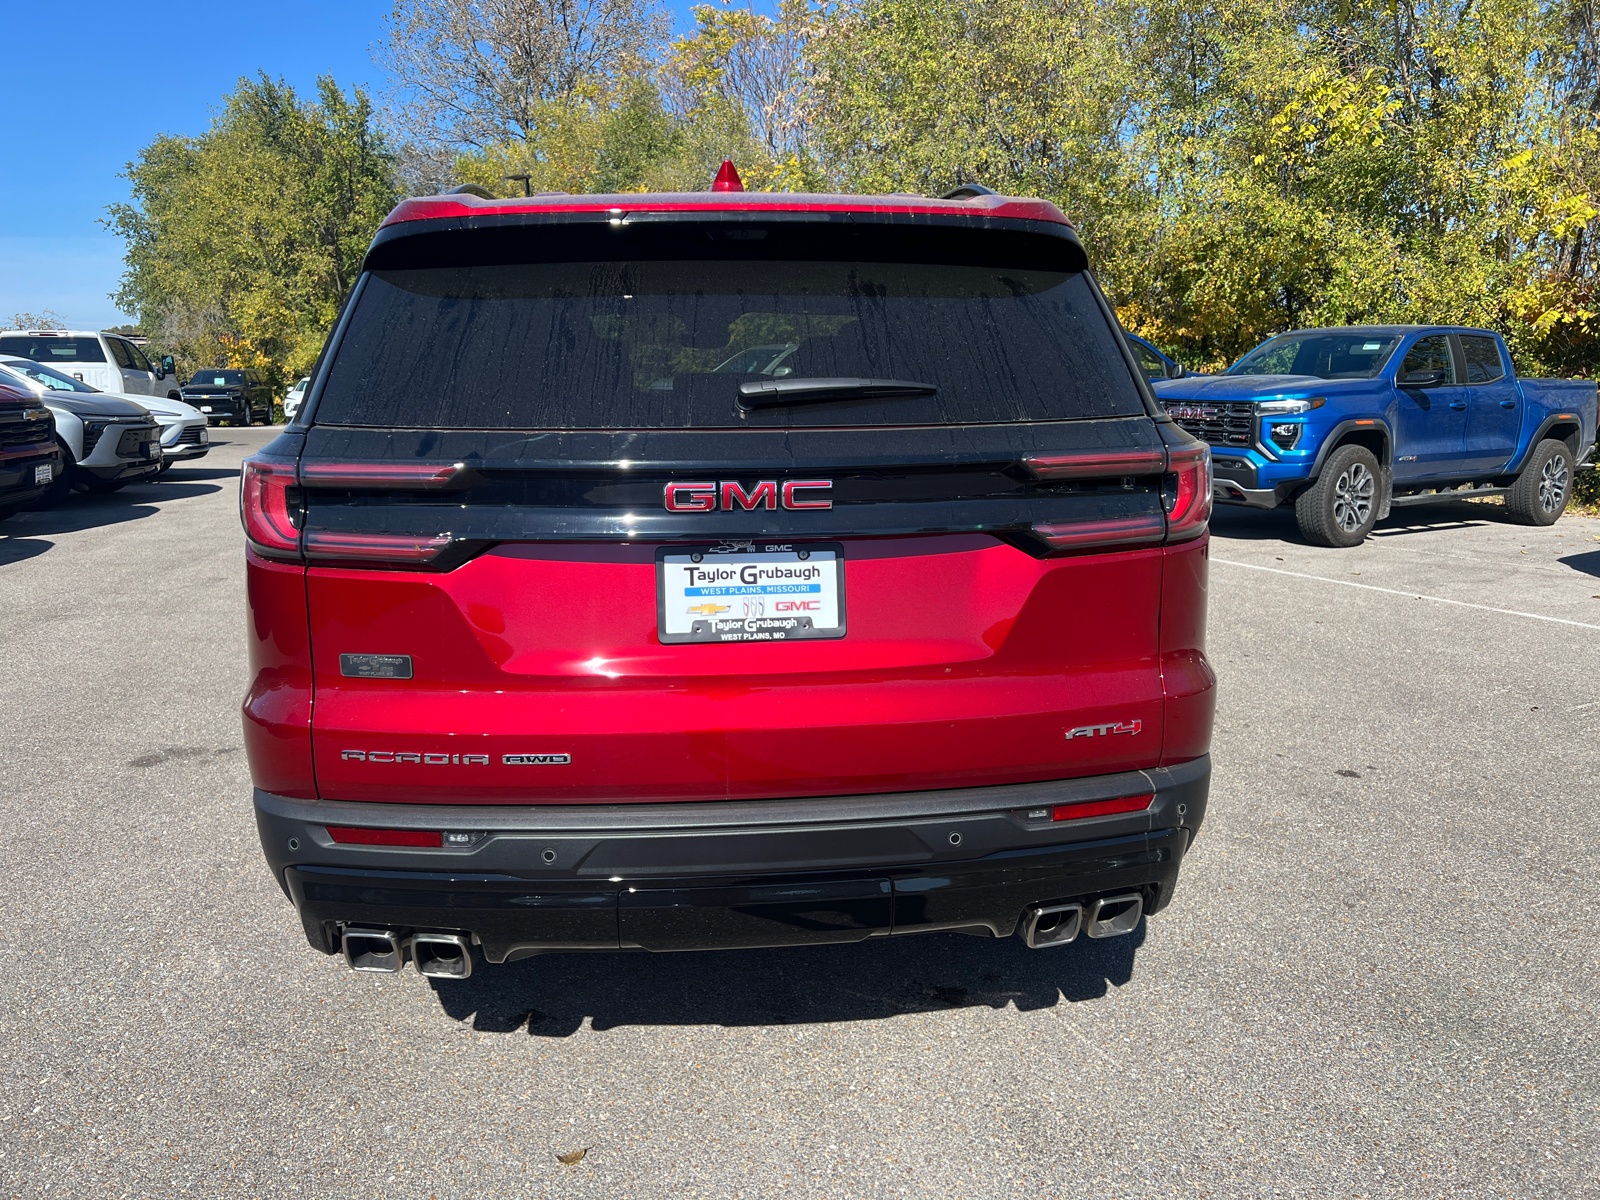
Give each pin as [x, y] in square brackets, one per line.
[1378, 977]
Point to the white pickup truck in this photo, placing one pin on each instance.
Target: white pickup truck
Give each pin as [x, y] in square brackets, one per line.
[106, 361]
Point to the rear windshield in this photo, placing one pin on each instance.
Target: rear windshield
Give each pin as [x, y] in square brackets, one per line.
[53, 349]
[665, 344]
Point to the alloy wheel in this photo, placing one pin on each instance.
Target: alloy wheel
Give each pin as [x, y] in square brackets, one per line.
[1352, 497]
[1553, 484]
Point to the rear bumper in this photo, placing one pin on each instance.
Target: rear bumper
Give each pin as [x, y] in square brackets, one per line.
[692, 876]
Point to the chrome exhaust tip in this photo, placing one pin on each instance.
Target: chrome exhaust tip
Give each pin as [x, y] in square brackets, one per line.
[441, 955]
[1051, 925]
[380, 950]
[1113, 916]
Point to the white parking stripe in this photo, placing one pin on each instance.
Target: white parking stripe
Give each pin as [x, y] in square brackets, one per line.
[1509, 612]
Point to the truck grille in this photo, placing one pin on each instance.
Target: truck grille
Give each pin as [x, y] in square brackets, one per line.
[1228, 423]
[15, 431]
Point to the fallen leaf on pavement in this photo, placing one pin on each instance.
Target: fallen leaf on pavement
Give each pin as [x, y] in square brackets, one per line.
[572, 1157]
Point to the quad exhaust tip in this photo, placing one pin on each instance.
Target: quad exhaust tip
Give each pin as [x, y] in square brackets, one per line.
[1113, 916]
[1051, 925]
[378, 950]
[1046, 925]
[441, 955]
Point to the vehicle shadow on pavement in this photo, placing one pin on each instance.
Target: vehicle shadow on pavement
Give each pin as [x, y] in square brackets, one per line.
[187, 474]
[1278, 525]
[26, 534]
[551, 995]
[1588, 563]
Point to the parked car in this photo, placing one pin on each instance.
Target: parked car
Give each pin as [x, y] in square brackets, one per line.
[613, 648]
[106, 442]
[107, 362]
[30, 460]
[1153, 362]
[184, 430]
[237, 397]
[1344, 423]
[292, 401]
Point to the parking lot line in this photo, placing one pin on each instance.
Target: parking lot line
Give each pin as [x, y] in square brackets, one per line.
[1509, 612]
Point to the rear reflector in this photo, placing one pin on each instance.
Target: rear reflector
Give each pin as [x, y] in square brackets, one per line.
[1102, 808]
[345, 835]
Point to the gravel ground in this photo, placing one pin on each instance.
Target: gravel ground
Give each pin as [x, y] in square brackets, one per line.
[1377, 978]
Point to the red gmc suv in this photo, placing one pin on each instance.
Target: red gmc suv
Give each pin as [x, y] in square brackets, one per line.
[673, 572]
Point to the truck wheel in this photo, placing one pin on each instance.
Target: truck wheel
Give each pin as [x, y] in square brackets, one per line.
[1341, 507]
[1540, 494]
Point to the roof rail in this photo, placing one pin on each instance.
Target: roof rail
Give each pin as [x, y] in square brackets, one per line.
[968, 191]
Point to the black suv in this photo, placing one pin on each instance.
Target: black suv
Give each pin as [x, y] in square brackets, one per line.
[226, 394]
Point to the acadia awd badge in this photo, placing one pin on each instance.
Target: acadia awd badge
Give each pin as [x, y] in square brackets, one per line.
[536, 760]
[1105, 730]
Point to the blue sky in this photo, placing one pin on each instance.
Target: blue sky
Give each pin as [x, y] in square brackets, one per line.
[91, 110]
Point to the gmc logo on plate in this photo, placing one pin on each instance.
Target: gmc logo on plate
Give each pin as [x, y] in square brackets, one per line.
[728, 495]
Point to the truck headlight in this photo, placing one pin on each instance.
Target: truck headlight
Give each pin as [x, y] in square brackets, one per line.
[1285, 436]
[1275, 408]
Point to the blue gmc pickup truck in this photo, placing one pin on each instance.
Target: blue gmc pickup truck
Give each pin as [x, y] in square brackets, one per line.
[1343, 423]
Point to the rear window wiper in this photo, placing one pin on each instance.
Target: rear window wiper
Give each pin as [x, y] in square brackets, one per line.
[769, 393]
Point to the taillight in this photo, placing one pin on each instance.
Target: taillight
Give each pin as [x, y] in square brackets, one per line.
[1102, 808]
[404, 476]
[1187, 496]
[265, 508]
[1118, 531]
[346, 835]
[1096, 464]
[366, 549]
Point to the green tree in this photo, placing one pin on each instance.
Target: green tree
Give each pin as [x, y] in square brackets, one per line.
[242, 242]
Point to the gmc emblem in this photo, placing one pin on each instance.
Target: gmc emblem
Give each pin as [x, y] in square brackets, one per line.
[1190, 412]
[728, 495]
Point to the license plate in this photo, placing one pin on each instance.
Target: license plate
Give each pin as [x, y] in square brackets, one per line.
[152, 449]
[760, 592]
[205, 408]
[43, 473]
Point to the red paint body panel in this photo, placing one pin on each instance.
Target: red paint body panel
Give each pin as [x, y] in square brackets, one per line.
[1188, 681]
[966, 663]
[277, 707]
[426, 208]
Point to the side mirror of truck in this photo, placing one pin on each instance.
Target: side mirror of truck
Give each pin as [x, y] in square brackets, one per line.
[1178, 371]
[168, 367]
[1421, 379]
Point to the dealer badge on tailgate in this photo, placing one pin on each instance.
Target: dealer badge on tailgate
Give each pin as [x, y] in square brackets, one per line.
[750, 592]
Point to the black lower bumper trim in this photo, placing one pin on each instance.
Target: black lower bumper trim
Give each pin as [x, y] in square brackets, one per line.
[705, 876]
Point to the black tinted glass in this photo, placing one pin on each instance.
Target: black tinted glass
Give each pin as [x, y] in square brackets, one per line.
[54, 349]
[1431, 354]
[214, 378]
[1483, 358]
[666, 344]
